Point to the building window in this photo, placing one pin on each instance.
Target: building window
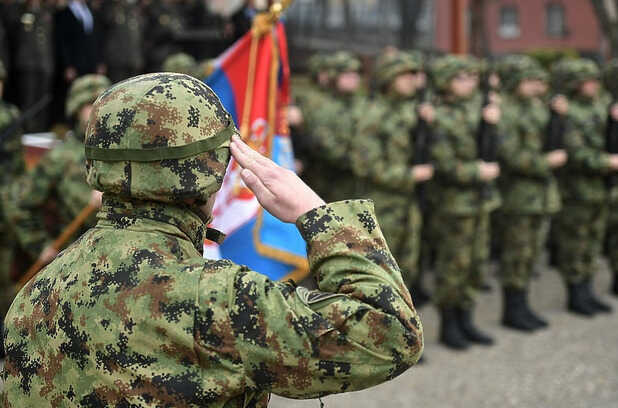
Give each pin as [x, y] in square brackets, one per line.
[509, 22]
[555, 20]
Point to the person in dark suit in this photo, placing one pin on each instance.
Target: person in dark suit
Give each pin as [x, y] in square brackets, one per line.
[77, 40]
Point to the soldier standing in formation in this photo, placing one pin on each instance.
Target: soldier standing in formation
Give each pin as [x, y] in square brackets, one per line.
[131, 314]
[383, 157]
[58, 177]
[528, 186]
[461, 219]
[580, 226]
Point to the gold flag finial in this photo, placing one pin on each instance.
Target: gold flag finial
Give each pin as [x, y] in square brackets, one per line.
[264, 22]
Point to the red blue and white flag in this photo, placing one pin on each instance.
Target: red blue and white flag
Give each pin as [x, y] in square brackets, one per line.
[252, 80]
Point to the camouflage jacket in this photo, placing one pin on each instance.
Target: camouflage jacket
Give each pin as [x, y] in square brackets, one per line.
[131, 315]
[11, 151]
[122, 23]
[331, 132]
[457, 188]
[527, 183]
[382, 148]
[582, 180]
[59, 178]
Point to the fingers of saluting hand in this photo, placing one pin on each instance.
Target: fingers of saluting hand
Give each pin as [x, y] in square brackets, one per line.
[262, 193]
[249, 158]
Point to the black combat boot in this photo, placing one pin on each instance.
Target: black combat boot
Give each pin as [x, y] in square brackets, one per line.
[514, 311]
[469, 330]
[420, 296]
[450, 332]
[578, 300]
[615, 287]
[538, 321]
[593, 300]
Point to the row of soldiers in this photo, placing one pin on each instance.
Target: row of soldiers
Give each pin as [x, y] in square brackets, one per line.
[474, 148]
[46, 44]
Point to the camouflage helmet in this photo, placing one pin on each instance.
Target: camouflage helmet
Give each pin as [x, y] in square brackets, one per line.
[610, 77]
[513, 69]
[181, 63]
[2, 71]
[85, 90]
[317, 63]
[568, 74]
[445, 68]
[390, 65]
[342, 61]
[158, 137]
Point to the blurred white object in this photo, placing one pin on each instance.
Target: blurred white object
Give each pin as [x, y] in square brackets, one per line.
[225, 8]
[41, 140]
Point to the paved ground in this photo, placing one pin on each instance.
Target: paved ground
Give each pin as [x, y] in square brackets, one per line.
[573, 364]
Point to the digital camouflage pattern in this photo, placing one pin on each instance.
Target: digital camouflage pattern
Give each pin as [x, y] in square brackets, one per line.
[59, 178]
[381, 157]
[180, 63]
[158, 113]
[83, 91]
[132, 315]
[460, 216]
[580, 226]
[11, 167]
[389, 66]
[340, 62]
[527, 184]
[444, 69]
[610, 80]
[568, 74]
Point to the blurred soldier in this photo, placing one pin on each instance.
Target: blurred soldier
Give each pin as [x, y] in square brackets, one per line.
[122, 27]
[132, 315]
[309, 97]
[528, 186]
[464, 189]
[31, 29]
[58, 177]
[334, 129]
[610, 79]
[383, 154]
[164, 23]
[11, 166]
[580, 226]
[180, 63]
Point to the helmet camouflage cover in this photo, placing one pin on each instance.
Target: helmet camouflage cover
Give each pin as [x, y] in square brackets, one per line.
[445, 68]
[513, 69]
[342, 61]
[181, 63]
[85, 90]
[159, 137]
[568, 74]
[390, 65]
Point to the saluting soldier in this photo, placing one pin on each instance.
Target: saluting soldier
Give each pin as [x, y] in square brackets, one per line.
[132, 315]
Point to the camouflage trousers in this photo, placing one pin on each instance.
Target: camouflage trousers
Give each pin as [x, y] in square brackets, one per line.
[522, 240]
[401, 222]
[578, 233]
[612, 237]
[462, 252]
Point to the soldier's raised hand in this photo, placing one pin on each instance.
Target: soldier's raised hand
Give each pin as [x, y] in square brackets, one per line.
[491, 113]
[278, 190]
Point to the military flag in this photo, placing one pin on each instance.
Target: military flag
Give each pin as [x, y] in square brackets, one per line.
[252, 81]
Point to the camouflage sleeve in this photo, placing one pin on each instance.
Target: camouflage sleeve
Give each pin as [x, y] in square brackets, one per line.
[358, 330]
[23, 201]
[519, 159]
[370, 159]
[448, 166]
[582, 156]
